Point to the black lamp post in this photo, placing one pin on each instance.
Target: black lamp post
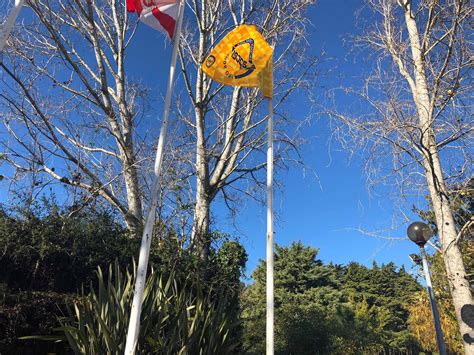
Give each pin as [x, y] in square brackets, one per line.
[420, 233]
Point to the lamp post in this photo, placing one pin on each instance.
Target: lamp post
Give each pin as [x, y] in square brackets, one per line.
[420, 233]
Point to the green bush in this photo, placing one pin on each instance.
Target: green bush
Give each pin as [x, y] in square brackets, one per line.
[53, 251]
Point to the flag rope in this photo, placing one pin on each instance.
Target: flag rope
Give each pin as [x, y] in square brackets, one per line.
[270, 235]
[7, 26]
[134, 325]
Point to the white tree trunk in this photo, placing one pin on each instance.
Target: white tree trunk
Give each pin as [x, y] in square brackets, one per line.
[200, 231]
[455, 270]
[202, 211]
[201, 221]
[134, 217]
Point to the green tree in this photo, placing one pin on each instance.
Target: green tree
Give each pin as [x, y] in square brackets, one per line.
[309, 306]
[380, 297]
[330, 309]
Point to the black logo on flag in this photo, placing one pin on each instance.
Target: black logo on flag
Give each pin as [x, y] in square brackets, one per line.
[246, 65]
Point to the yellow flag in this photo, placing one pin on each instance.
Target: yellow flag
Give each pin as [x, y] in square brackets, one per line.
[242, 58]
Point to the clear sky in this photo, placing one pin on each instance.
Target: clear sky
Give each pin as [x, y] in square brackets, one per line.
[318, 211]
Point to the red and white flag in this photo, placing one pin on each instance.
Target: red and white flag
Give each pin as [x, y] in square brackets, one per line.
[158, 14]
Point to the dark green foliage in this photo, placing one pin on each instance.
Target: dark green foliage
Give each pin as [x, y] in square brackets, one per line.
[380, 297]
[46, 256]
[310, 309]
[50, 250]
[229, 262]
[330, 309]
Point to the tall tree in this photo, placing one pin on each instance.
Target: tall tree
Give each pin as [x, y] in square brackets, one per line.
[421, 96]
[68, 109]
[309, 309]
[228, 131]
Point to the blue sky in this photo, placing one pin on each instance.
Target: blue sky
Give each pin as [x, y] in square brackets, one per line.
[320, 211]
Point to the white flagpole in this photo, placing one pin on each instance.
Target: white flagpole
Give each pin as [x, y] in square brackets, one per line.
[270, 242]
[134, 325]
[7, 26]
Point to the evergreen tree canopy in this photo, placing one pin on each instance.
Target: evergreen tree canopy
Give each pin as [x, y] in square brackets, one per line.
[330, 309]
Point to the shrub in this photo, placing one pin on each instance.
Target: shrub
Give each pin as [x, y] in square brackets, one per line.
[177, 318]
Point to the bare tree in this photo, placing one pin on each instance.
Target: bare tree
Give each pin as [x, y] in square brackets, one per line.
[419, 119]
[70, 113]
[229, 130]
